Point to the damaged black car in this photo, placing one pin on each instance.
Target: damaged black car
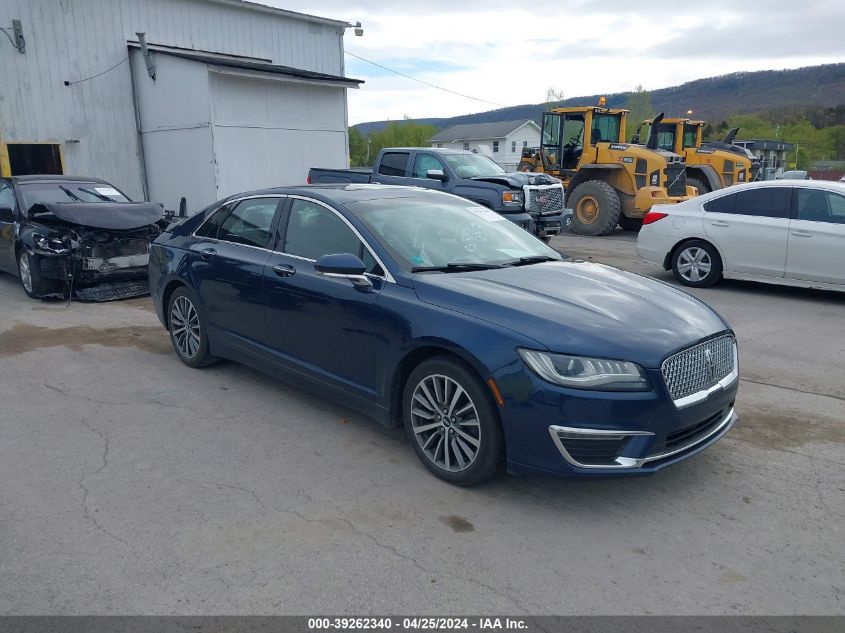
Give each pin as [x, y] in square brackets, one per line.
[80, 238]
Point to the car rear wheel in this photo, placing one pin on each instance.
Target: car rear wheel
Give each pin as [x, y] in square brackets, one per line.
[697, 264]
[187, 330]
[452, 423]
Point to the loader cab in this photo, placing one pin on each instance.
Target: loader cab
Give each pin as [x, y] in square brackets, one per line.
[570, 136]
[673, 135]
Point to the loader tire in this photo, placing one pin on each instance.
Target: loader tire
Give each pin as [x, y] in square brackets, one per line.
[525, 166]
[699, 184]
[596, 208]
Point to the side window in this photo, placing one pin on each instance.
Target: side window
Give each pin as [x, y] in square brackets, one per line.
[722, 204]
[393, 164]
[249, 222]
[820, 206]
[766, 202]
[314, 231]
[7, 196]
[210, 227]
[423, 163]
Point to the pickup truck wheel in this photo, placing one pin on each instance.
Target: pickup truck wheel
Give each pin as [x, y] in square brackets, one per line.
[597, 208]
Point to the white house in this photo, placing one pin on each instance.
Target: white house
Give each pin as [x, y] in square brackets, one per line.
[225, 95]
[502, 141]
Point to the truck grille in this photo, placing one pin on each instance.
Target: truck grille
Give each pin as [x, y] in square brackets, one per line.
[700, 367]
[544, 199]
[676, 180]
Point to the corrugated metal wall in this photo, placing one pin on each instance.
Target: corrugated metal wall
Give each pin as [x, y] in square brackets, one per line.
[69, 40]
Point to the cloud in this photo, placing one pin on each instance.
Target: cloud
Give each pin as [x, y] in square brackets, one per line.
[509, 53]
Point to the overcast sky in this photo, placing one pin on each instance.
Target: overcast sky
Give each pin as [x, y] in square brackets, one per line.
[510, 52]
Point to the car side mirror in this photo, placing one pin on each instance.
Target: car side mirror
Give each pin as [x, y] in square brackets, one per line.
[7, 215]
[343, 266]
[437, 174]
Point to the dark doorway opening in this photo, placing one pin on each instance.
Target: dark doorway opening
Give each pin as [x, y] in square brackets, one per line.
[34, 158]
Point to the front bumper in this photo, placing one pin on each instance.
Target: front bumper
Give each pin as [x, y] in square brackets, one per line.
[552, 224]
[552, 430]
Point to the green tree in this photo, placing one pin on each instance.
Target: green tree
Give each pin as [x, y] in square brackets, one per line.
[400, 134]
[357, 148]
[639, 106]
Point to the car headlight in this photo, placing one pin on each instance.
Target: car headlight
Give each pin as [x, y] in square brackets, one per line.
[581, 372]
[513, 197]
[52, 245]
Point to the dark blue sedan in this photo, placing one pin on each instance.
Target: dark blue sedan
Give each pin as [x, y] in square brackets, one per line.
[430, 312]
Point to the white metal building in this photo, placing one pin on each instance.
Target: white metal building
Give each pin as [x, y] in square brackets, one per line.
[239, 95]
[502, 140]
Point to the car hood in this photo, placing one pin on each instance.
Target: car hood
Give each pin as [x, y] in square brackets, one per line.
[100, 215]
[519, 179]
[579, 307]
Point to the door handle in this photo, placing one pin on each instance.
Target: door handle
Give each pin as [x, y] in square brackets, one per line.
[802, 234]
[208, 253]
[719, 223]
[283, 270]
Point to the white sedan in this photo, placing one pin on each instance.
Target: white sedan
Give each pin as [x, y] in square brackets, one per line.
[786, 232]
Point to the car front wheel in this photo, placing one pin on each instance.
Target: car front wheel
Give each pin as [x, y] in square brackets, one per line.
[29, 273]
[452, 423]
[697, 264]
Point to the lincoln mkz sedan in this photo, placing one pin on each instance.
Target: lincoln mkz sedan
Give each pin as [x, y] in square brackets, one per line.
[427, 311]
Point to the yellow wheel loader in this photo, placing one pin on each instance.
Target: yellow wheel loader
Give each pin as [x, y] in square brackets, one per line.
[710, 166]
[607, 181]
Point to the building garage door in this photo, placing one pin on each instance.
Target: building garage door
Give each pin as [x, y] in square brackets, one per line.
[269, 132]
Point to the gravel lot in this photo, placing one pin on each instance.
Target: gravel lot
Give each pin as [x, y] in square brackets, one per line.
[131, 484]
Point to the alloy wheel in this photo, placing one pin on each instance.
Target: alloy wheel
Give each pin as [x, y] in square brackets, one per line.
[694, 264]
[445, 423]
[185, 327]
[25, 272]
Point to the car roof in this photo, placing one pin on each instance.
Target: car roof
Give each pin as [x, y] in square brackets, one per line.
[831, 185]
[54, 178]
[344, 193]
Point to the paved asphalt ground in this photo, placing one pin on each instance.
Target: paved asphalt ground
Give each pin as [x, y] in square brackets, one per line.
[132, 484]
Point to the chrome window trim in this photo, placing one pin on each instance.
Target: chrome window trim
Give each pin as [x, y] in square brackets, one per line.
[228, 202]
[634, 462]
[701, 396]
[387, 276]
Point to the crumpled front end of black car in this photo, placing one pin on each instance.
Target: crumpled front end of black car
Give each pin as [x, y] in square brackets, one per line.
[91, 264]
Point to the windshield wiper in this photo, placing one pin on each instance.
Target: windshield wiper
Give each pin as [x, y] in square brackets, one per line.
[70, 193]
[96, 194]
[455, 267]
[534, 259]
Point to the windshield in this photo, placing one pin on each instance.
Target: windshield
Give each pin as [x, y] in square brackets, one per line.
[37, 192]
[605, 128]
[471, 165]
[440, 230]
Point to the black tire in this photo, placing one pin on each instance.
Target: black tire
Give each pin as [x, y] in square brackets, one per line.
[546, 239]
[686, 251]
[630, 224]
[489, 450]
[525, 165]
[596, 208]
[193, 352]
[29, 274]
[702, 186]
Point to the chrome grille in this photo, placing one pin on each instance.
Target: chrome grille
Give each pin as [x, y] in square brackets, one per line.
[699, 367]
[544, 199]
